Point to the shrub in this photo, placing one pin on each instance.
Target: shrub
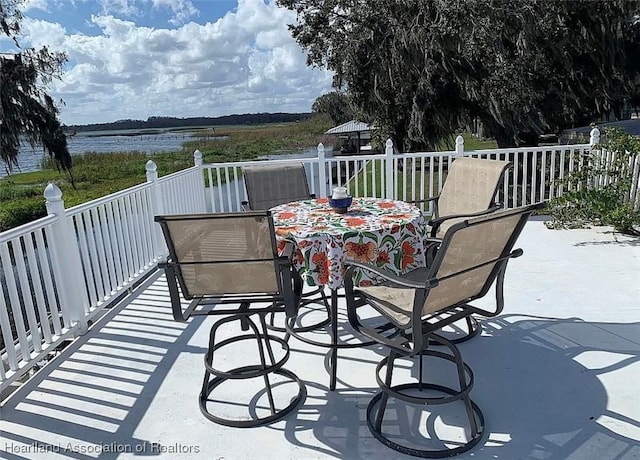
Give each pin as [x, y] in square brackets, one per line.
[599, 192]
[17, 213]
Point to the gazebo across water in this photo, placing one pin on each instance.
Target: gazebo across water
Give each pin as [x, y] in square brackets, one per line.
[355, 137]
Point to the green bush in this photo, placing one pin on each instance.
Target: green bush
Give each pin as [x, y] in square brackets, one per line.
[588, 202]
[19, 212]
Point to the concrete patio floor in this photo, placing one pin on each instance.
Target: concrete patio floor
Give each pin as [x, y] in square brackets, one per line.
[557, 375]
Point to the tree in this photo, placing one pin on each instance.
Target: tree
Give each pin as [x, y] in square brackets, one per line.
[421, 70]
[26, 110]
[336, 104]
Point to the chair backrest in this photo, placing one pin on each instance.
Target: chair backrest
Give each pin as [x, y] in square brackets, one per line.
[470, 257]
[471, 186]
[271, 185]
[222, 253]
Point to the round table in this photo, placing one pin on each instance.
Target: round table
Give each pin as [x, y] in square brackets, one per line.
[386, 233]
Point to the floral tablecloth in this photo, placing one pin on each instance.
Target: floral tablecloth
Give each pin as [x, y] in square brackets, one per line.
[385, 233]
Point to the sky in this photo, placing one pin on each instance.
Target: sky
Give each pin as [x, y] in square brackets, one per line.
[133, 59]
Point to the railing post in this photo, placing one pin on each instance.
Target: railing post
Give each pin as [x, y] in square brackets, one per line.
[65, 259]
[197, 158]
[459, 146]
[197, 161]
[322, 171]
[594, 137]
[390, 169]
[594, 140]
[156, 203]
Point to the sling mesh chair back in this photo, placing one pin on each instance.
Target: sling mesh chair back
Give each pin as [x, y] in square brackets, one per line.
[473, 257]
[469, 189]
[270, 185]
[227, 264]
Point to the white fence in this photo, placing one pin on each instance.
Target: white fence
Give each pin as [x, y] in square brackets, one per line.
[61, 271]
[536, 175]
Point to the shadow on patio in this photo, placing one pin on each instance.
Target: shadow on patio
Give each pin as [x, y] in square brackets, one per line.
[556, 377]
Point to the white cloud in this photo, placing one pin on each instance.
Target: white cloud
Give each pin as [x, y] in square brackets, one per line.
[125, 7]
[244, 62]
[36, 5]
[183, 10]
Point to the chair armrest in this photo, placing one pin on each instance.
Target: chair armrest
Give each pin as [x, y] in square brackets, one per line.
[292, 283]
[426, 200]
[435, 223]
[288, 251]
[420, 204]
[428, 283]
[399, 280]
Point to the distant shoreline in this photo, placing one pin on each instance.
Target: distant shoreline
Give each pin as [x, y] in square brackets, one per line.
[154, 125]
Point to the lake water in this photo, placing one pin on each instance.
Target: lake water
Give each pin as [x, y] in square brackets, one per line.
[30, 159]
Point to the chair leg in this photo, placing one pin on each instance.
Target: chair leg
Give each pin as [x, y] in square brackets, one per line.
[415, 393]
[462, 382]
[306, 300]
[385, 396]
[213, 377]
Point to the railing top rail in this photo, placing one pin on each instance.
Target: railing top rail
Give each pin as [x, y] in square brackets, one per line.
[444, 153]
[231, 164]
[539, 148]
[27, 228]
[180, 173]
[360, 157]
[107, 199]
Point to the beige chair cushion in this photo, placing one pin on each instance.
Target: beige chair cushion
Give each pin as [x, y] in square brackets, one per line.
[241, 243]
[470, 187]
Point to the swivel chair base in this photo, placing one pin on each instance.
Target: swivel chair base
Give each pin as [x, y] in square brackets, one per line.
[421, 395]
[373, 411]
[214, 378]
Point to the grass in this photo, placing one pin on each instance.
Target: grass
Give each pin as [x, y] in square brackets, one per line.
[99, 174]
[470, 143]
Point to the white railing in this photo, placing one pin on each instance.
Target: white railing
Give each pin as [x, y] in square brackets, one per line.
[59, 272]
[33, 317]
[536, 174]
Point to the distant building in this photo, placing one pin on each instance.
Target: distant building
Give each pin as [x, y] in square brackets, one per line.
[581, 135]
[353, 137]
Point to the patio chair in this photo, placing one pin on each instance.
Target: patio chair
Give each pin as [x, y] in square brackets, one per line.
[270, 185]
[472, 257]
[469, 190]
[227, 264]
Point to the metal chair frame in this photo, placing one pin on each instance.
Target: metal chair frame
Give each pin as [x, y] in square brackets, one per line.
[422, 330]
[286, 300]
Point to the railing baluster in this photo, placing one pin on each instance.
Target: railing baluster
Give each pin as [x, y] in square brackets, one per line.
[8, 337]
[108, 251]
[14, 300]
[36, 286]
[27, 301]
[46, 273]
